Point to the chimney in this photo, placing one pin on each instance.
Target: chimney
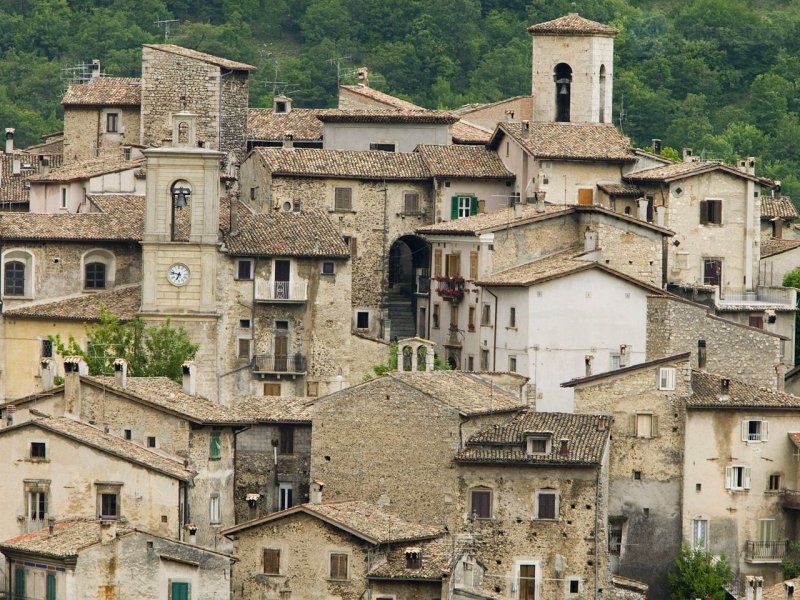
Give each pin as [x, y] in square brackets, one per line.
[526, 129]
[10, 140]
[281, 105]
[563, 447]
[624, 351]
[509, 116]
[108, 531]
[47, 373]
[753, 587]
[95, 68]
[74, 367]
[701, 354]
[288, 140]
[789, 585]
[587, 361]
[687, 155]
[192, 529]
[656, 145]
[16, 169]
[121, 373]
[315, 492]
[51, 525]
[724, 384]
[363, 76]
[660, 215]
[189, 378]
[539, 195]
[641, 210]
[589, 240]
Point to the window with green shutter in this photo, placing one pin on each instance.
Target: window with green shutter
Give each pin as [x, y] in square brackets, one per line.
[215, 449]
[463, 206]
[19, 583]
[50, 587]
[179, 590]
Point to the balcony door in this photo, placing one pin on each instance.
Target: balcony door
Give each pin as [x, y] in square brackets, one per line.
[281, 346]
[283, 270]
[527, 582]
[712, 271]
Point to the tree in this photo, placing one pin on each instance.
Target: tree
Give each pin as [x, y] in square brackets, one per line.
[790, 565]
[151, 351]
[698, 574]
[792, 278]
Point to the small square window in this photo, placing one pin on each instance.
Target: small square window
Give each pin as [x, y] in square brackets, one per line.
[127, 434]
[574, 586]
[112, 122]
[362, 320]
[343, 198]
[151, 441]
[637, 475]
[38, 450]
[755, 430]
[244, 269]
[338, 566]
[774, 482]
[244, 323]
[382, 146]
[312, 389]
[272, 561]
[328, 267]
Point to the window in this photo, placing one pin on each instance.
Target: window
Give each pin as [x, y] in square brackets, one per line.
[243, 348]
[437, 262]
[312, 389]
[244, 269]
[615, 360]
[486, 314]
[47, 349]
[774, 483]
[214, 509]
[413, 559]
[711, 212]
[151, 441]
[712, 271]
[14, 273]
[512, 317]
[484, 359]
[453, 264]
[645, 425]
[538, 444]
[38, 450]
[410, 203]
[338, 565]
[471, 318]
[754, 430]
[272, 561]
[285, 496]
[666, 378]
[382, 146]
[272, 389]
[700, 534]
[215, 446]
[480, 502]
[614, 540]
[179, 590]
[351, 242]
[50, 587]
[64, 197]
[342, 198]
[362, 320]
[286, 439]
[473, 265]
[436, 315]
[547, 504]
[737, 477]
[328, 267]
[109, 505]
[244, 323]
[512, 364]
[463, 206]
[574, 586]
[112, 122]
[127, 434]
[95, 276]
[756, 321]
[527, 582]
[37, 506]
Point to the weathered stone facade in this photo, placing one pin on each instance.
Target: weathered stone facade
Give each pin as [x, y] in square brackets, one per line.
[86, 137]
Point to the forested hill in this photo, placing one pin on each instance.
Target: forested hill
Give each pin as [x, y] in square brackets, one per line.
[720, 76]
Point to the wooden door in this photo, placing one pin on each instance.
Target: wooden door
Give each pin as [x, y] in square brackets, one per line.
[281, 352]
[712, 272]
[180, 591]
[527, 582]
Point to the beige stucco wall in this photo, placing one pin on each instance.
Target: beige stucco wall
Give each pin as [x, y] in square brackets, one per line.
[489, 116]
[772, 269]
[405, 136]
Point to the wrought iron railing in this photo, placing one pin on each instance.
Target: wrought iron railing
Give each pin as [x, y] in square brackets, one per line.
[774, 550]
[450, 288]
[280, 363]
[762, 294]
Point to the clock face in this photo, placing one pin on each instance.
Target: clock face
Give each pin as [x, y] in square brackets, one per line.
[178, 274]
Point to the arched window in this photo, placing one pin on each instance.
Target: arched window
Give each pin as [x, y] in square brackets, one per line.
[408, 353]
[95, 278]
[602, 118]
[14, 278]
[563, 78]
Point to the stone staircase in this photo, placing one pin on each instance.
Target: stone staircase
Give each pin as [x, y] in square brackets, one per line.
[401, 314]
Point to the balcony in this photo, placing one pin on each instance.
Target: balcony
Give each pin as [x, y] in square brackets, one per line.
[765, 552]
[450, 288]
[762, 297]
[284, 292]
[269, 364]
[790, 499]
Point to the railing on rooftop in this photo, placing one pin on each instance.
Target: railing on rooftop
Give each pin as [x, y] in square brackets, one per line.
[281, 291]
[761, 295]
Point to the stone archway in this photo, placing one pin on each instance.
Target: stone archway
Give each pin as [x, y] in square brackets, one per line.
[408, 277]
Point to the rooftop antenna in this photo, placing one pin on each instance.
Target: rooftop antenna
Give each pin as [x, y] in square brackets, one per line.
[622, 113]
[338, 62]
[165, 23]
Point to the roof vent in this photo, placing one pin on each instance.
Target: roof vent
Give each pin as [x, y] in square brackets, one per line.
[724, 384]
[563, 448]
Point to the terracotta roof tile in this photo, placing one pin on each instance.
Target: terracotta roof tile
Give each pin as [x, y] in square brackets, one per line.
[265, 124]
[468, 393]
[795, 437]
[437, 557]
[382, 97]
[123, 302]
[507, 443]
[16, 188]
[86, 169]
[69, 538]
[772, 246]
[540, 270]
[475, 106]
[104, 91]
[778, 591]
[335, 115]
[570, 141]
[682, 170]
[466, 133]
[275, 409]
[51, 145]
[345, 164]
[778, 206]
[619, 189]
[493, 220]
[463, 161]
[707, 392]
[202, 56]
[286, 233]
[572, 24]
[126, 224]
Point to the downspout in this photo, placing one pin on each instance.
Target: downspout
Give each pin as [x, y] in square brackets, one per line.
[494, 334]
[385, 258]
[596, 532]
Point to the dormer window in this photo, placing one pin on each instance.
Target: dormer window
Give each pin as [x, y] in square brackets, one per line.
[538, 443]
[413, 558]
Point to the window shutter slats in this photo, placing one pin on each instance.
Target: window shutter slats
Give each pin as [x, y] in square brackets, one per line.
[473, 206]
[746, 482]
[764, 431]
[632, 428]
[745, 430]
[454, 208]
[728, 477]
[654, 426]
[703, 211]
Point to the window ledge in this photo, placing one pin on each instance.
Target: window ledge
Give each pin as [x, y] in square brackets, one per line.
[37, 460]
[335, 580]
[242, 279]
[212, 458]
[510, 328]
[341, 210]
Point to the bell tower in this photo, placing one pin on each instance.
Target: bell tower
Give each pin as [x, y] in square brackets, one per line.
[573, 64]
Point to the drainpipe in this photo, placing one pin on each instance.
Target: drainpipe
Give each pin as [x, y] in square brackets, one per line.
[384, 257]
[494, 341]
[596, 519]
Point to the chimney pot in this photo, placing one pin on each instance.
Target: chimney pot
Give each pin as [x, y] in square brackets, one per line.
[363, 76]
[121, 373]
[656, 143]
[51, 525]
[701, 354]
[10, 140]
[563, 449]
[724, 384]
[189, 378]
[526, 129]
[587, 360]
[315, 493]
[687, 155]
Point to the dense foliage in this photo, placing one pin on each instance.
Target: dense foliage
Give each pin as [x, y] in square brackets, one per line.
[699, 574]
[716, 75]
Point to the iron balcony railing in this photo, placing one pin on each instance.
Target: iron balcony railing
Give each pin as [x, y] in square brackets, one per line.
[761, 295]
[288, 363]
[423, 277]
[281, 291]
[765, 551]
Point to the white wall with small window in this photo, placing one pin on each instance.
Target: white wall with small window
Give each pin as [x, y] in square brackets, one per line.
[700, 532]
[755, 430]
[98, 268]
[18, 274]
[737, 477]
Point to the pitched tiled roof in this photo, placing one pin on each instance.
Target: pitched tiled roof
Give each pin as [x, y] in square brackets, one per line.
[378, 96]
[778, 206]
[123, 302]
[16, 188]
[463, 161]
[437, 557]
[707, 392]
[345, 164]
[681, 170]
[335, 115]
[468, 393]
[362, 519]
[569, 141]
[266, 124]
[772, 246]
[625, 370]
[619, 189]
[572, 24]
[69, 538]
[494, 220]
[475, 106]
[209, 58]
[541, 270]
[275, 409]
[778, 591]
[507, 443]
[467, 133]
[52, 144]
[105, 91]
[286, 233]
[124, 225]
[86, 169]
[110, 444]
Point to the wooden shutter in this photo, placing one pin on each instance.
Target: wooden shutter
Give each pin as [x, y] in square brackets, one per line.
[437, 262]
[473, 206]
[338, 566]
[745, 430]
[473, 265]
[654, 426]
[180, 591]
[633, 428]
[728, 477]
[703, 211]
[454, 208]
[716, 211]
[547, 506]
[764, 431]
[585, 197]
[482, 504]
[746, 478]
[272, 560]
[50, 587]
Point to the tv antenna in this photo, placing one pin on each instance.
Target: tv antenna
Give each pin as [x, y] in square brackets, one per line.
[338, 62]
[165, 23]
[622, 113]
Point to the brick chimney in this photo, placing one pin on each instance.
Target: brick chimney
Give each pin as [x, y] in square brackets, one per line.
[74, 367]
[121, 373]
[108, 531]
[95, 68]
[288, 140]
[363, 76]
[47, 373]
[189, 378]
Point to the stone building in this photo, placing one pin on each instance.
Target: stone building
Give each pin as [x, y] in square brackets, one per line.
[779, 241]
[101, 117]
[89, 558]
[338, 550]
[17, 167]
[533, 498]
[178, 79]
[646, 407]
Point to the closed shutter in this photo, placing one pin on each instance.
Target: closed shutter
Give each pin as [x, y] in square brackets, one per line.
[437, 263]
[745, 430]
[272, 561]
[716, 211]
[50, 587]
[179, 590]
[473, 206]
[633, 429]
[547, 506]
[481, 504]
[338, 566]
[19, 583]
[586, 197]
[473, 265]
[764, 431]
[746, 478]
[454, 208]
[728, 477]
[703, 211]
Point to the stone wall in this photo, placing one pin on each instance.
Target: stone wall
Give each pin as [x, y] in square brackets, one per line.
[233, 113]
[737, 351]
[85, 132]
[489, 116]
